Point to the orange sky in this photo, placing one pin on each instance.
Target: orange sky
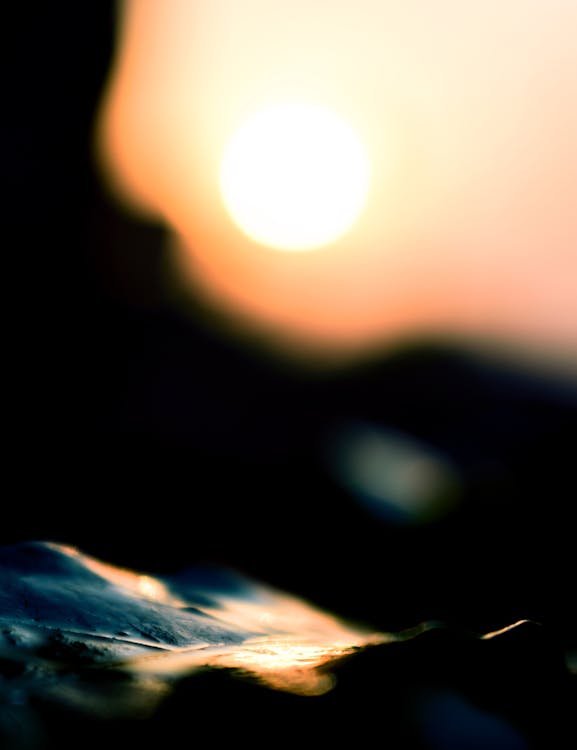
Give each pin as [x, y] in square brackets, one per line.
[468, 112]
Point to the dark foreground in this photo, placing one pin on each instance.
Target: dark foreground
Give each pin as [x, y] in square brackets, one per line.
[91, 654]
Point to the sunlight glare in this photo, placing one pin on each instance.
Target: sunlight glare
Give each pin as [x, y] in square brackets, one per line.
[294, 177]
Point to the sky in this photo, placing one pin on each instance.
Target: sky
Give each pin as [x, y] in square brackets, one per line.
[466, 115]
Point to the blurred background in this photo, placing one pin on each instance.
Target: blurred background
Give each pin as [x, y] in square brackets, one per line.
[430, 477]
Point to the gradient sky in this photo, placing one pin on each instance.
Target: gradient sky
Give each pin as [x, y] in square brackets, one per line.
[468, 112]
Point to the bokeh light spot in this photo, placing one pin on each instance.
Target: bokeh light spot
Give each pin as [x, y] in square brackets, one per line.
[396, 476]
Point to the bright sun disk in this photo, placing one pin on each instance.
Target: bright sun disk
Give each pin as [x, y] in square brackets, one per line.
[294, 177]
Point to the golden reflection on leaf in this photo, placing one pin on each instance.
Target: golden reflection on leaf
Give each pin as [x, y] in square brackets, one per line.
[143, 586]
[164, 628]
[290, 663]
[76, 620]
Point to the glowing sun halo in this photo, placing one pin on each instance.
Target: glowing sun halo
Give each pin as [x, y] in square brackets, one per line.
[294, 177]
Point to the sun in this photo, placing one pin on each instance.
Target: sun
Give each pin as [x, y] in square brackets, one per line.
[294, 177]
